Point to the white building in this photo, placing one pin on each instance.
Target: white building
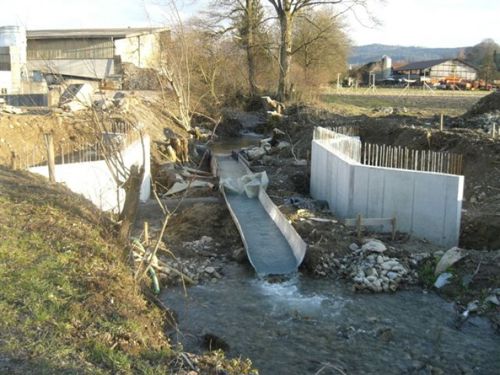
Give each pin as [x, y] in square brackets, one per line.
[92, 54]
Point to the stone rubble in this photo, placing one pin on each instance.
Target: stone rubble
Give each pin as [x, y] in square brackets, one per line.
[370, 270]
[205, 267]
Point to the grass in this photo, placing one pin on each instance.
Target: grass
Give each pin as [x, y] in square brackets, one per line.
[68, 302]
[416, 102]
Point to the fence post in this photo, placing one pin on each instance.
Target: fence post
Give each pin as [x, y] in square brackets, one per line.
[13, 158]
[441, 124]
[146, 233]
[358, 225]
[49, 143]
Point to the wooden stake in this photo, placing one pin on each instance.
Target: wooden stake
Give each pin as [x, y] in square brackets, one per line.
[146, 233]
[49, 143]
[441, 124]
[393, 222]
[13, 158]
[358, 225]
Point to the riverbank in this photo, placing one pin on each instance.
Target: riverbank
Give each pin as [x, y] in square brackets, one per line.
[69, 302]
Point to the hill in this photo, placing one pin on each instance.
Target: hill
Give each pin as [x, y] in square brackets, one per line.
[374, 52]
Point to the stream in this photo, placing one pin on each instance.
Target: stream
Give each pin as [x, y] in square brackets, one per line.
[302, 324]
[313, 326]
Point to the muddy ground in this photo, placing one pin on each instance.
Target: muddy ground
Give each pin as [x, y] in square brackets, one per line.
[21, 135]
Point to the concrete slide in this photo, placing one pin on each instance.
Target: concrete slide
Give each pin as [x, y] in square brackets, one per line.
[272, 244]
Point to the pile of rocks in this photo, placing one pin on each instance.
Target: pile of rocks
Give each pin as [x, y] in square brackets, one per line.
[485, 121]
[198, 270]
[371, 270]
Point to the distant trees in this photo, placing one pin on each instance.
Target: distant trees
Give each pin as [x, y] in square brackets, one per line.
[485, 56]
[244, 46]
[270, 36]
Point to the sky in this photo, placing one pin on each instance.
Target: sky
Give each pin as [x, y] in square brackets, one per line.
[426, 23]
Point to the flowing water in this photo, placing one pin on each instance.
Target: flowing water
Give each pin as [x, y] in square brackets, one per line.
[228, 144]
[300, 325]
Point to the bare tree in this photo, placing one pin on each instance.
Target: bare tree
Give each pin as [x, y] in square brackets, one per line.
[286, 13]
[174, 74]
[246, 19]
[320, 46]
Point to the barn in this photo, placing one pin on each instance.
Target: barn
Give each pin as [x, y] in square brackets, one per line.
[449, 70]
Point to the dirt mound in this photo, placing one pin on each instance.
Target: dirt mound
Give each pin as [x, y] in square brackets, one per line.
[135, 78]
[487, 104]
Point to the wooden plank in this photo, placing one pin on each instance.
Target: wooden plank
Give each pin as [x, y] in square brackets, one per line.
[369, 221]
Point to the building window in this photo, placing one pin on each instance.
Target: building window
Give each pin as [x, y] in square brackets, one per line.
[5, 59]
[70, 49]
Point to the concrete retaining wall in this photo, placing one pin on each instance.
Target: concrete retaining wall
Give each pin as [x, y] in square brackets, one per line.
[296, 243]
[426, 204]
[95, 181]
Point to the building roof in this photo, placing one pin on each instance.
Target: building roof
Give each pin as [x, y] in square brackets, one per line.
[118, 33]
[419, 65]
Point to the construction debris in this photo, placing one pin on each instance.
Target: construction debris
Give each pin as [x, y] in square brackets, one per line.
[449, 258]
[179, 187]
[76, 97]
[4, 107]
[249, 184]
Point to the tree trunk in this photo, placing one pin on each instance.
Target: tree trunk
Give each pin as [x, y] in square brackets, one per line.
[251, 46]
[286, 24]
[132, 194]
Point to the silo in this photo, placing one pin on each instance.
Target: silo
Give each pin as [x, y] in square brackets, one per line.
[386, 67]
[15, 38]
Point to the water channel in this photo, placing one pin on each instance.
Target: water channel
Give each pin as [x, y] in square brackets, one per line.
[300, 325]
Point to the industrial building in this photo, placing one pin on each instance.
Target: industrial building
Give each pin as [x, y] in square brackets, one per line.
[441, 70]
[31, 59]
